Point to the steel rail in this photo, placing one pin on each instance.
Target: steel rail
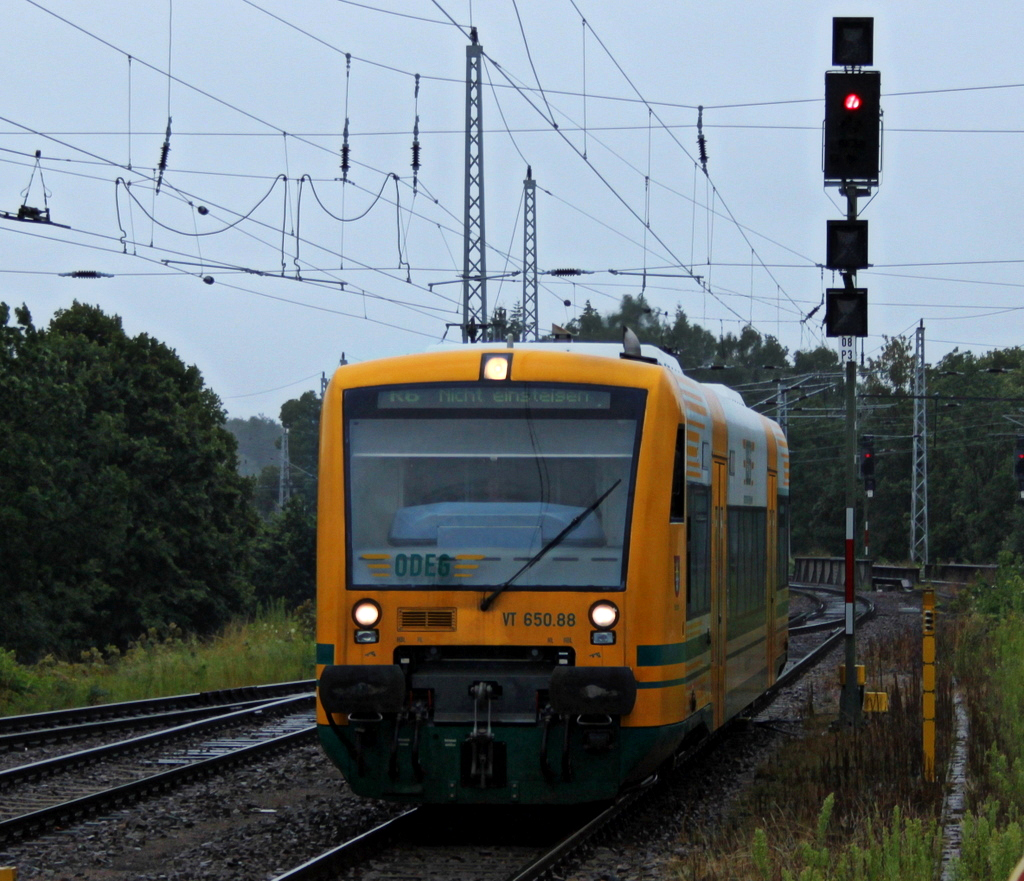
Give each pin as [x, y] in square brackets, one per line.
[548, 863]
[84, 757]
[801, 619]
[825, 624]
[333, 861]
[175, 717]
[219, 697]
[36, 822]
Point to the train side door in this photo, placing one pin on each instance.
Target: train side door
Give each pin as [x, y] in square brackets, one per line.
[772, 573]
[719, 576]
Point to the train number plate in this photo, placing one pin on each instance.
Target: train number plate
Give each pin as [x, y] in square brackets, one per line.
[539, 619]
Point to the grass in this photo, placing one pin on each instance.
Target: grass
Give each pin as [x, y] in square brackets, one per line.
[841, 804]
[275, 646]
[836, 803]
[990, 668]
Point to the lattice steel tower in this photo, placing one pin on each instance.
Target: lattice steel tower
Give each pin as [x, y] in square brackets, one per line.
[530, 322]
[919, 482]
[474, 264]
[284, 478]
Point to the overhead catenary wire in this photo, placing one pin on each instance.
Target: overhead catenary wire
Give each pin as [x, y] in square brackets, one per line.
[179, 269]
[109, 162]
[408, 215]
[233, 106]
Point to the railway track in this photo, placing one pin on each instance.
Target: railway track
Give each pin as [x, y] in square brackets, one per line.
[33, 728]
[416, 845]
[410, 846]
[433, 844]
[829, 608]
[45, 793]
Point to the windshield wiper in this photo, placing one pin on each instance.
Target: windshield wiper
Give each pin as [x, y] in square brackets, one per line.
[487, 601]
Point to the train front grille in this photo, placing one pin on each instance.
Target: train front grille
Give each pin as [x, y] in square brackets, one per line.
[426, 619]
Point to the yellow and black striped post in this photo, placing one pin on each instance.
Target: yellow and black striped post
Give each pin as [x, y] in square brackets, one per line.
[928, 683]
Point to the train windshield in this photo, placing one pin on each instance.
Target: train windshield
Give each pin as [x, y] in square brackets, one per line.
[459, 485]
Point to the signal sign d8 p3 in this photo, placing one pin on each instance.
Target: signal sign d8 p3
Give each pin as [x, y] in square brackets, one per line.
[853, 124]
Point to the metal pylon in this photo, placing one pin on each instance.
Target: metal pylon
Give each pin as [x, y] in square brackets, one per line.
[530, 322]
[284, 480]
[474, 268]
[919, 491]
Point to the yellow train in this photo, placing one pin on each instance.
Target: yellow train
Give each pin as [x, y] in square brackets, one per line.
[541, 568]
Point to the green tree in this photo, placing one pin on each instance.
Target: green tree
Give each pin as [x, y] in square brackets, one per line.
[301, 418]
[259, 443]
[284, 559]
[120, 503]
[284, 564]
[819, 360]
[267, 491]
[973, 417]
[817, 437]
[972, 514]
[885, 410]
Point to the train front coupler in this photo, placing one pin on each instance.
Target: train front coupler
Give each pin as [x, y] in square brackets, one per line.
[480, 741]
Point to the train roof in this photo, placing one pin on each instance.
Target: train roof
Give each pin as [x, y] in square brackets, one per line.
[601, 350]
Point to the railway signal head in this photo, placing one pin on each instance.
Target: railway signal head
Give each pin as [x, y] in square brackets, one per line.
[852, 41]
[928, 621]
[853, 126]
[846, 312]
[1018, 464]
[846, 244]
[867, 463]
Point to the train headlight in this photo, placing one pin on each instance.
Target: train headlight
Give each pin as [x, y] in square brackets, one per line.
[495, 367]
[366, 613]
[604, 615]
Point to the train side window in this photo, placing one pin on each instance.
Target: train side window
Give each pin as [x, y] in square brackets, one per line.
[747, 559]
[698, 551]
[678, 511]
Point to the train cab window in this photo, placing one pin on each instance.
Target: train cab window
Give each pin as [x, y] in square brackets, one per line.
[677, 511]
[698, 552]
[458, 485]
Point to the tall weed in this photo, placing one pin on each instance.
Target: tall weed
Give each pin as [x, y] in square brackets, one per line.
[841, 804]
[990, 671]
[275, 646]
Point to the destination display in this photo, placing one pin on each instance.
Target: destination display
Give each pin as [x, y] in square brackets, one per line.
[493, 397]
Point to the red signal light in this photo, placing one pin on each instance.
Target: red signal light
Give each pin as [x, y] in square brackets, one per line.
[853, 126]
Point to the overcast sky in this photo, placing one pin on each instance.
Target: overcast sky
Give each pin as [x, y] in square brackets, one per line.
[258, 92]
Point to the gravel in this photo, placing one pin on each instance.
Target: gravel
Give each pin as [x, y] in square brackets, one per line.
[258, 822]
[699, 799]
